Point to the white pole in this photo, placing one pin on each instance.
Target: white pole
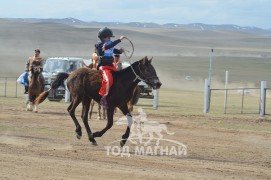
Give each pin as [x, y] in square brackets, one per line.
[263, 98]
[206, 96]
[155, 98]
[67, 93]
[226, 91]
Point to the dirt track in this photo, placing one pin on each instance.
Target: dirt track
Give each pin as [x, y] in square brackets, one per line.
[44, 146]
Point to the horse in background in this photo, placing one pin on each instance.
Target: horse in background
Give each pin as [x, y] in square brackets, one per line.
[133, 101]
[35, 85]
[84, 85]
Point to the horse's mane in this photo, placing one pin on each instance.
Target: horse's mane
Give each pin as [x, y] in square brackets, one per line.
[124, 71]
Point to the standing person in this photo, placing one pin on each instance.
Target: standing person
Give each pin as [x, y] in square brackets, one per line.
[29, 63]
[105, 50]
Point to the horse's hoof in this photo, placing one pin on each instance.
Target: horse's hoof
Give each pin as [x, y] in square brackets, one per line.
[78, 137]
[92, 140]
[99, 118]
[122, 143]
[94, 143]
[35, 111]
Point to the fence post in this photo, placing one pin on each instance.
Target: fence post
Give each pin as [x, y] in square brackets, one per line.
[263, 98]
[67, 93]
[206, 96]
[226, 92]
[155, 98]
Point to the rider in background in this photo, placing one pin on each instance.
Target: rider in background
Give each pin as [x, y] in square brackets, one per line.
[117, 62]
[105, 51]
[29, 63]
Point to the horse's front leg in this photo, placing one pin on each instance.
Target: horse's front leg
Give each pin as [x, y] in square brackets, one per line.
[33, 104]
[110, 113]
[29, 102]
[125, 111]
[35, 108]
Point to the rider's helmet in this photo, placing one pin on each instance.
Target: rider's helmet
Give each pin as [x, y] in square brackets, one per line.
[105, 32]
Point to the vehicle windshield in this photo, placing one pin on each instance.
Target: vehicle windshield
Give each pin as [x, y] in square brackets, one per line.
[55, 66]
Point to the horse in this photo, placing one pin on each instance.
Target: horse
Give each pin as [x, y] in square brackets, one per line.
[133, 101]
[35, 85]
[84, 85]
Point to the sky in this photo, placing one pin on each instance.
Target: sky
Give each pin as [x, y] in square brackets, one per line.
[255, 13]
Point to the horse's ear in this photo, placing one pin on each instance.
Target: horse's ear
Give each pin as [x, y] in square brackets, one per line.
[144, 60]
[150, 60]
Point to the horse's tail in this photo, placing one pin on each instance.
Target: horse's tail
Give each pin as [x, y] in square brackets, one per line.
[58, 82]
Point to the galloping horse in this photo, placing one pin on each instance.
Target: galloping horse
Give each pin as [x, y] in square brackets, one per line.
[133, 101]
[84, 85]
[35, 85]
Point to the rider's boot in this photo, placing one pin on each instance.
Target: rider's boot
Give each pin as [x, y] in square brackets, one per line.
[26, 90]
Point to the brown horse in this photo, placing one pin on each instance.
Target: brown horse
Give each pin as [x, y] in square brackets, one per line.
[84, 85]
[133, 101]
[35, 85]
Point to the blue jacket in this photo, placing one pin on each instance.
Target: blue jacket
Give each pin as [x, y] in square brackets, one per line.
[106, 57]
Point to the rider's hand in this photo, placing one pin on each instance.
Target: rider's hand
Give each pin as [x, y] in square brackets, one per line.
[122, 37]
[121, 50]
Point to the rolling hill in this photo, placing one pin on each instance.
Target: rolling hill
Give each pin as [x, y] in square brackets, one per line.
[179, 46]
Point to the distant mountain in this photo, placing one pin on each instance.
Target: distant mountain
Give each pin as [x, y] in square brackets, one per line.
[199, 26]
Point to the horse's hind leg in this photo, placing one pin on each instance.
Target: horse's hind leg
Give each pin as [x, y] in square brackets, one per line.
[71, 109]
[86, 105]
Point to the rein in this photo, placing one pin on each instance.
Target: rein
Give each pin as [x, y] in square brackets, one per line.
[128, 58]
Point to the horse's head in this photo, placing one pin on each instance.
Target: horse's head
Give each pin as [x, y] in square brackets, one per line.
[36, 68]
[148, 73]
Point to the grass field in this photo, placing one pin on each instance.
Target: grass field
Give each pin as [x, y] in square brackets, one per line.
[178, 103]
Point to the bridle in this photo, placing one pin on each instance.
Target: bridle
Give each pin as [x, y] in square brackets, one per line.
[146, 78]
[36, 68]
